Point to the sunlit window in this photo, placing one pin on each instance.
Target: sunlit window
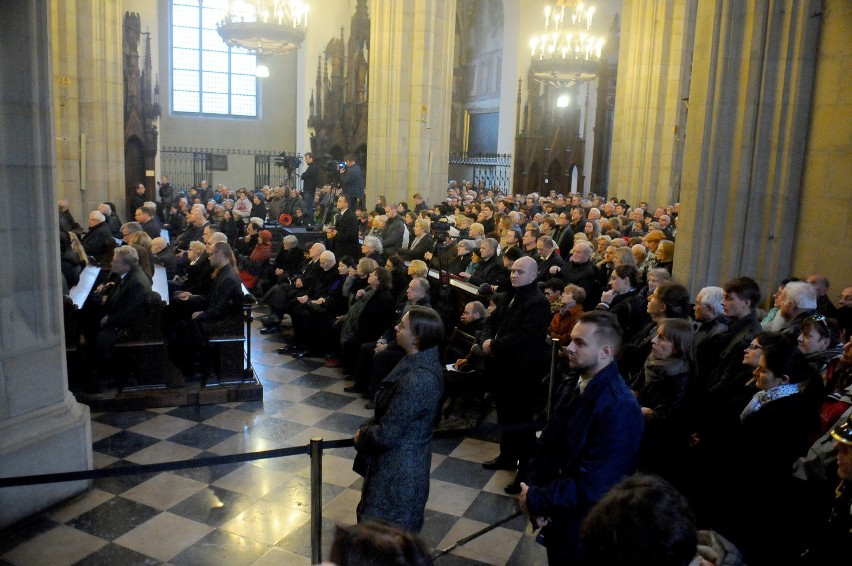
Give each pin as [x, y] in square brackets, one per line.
[208, 77]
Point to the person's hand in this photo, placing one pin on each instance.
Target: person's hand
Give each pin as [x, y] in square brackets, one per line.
[196, 314]
[380, 347]
[486, 346]
[428, 256]
[353, 272]
[184, 295]
[360, 293]
[459, 363]
[554, 269]
[647, 412]
[464, 275]
[522, 503]
[303, 299]
[104, 321]
[608, 296]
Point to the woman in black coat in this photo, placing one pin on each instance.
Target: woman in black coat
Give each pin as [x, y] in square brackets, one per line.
[394, 447]
[369, 316]
[662, 396]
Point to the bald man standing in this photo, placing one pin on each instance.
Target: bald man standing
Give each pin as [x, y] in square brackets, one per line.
[517, 358]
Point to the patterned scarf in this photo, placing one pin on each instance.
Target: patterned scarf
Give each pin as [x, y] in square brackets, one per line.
[761, 398]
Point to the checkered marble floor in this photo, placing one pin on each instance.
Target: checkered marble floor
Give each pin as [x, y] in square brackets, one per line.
[256, 513]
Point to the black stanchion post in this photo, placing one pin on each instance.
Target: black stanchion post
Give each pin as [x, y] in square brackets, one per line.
[316, 500]
[554, 349]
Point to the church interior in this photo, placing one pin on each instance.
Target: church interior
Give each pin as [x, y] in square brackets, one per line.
[741, 112]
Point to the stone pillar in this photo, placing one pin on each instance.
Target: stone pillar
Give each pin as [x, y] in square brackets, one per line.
[749, 110]
[42, 428]
[650, 110]
[88, 96]
[411, 50]
[826, 198]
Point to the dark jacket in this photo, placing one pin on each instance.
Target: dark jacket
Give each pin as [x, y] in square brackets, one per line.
[97, 241]
[625, 307]
[397, 443]
[346, 241]
[544, 266]
[416, 250]
[152, 227]
[289, 260]
[352, 182]
[376, 316]
[226, 295]
[518, 346]
[589, 445]
[392, 235]
[126, 303]
[166, 258]
[490, 271]
[584, 275]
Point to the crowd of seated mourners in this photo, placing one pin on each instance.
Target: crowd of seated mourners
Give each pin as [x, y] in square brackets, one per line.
[730, 406]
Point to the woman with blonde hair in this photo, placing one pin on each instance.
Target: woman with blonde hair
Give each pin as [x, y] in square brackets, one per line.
[418, 268]
[665, 255]
[421, 243]
[142, 243]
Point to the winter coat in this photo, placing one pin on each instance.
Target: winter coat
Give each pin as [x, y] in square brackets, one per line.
[396, 445]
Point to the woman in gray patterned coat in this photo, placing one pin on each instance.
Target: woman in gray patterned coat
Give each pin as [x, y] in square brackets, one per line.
[394, 447]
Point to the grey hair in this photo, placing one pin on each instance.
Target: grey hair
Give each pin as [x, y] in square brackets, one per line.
[290, 240]
[802, 293]
[128, 254]
[711, 297]
[374, 243]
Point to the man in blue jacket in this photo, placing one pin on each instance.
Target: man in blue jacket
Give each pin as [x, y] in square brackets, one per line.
[590, 443]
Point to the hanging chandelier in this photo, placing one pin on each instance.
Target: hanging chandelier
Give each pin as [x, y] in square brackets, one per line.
[567, 52]
[265, 27]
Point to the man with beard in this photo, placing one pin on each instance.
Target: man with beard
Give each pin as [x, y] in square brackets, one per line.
[590, 443]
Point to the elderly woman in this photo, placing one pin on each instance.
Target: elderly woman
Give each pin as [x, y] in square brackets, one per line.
[819, 342]
[708, 313]
[372, 249]
[463, 256]
[394, 447]
[476, 232]
[600, 253]
[418, 268]
[420, 243]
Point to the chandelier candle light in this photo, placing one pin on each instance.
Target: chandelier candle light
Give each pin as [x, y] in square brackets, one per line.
[567, 52]
[265, 27]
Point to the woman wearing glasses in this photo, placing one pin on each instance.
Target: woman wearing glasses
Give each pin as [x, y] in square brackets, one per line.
[819, 342]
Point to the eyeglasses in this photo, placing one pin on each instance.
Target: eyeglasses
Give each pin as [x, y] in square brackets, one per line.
[754, 347]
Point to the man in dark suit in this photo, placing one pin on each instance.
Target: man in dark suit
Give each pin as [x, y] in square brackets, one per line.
[98, 240]
[550, 263]
[517, 359]
[343, 238]
[120, 305]
[352, 181]
[310, 182]
[590, 443]
[146, 216]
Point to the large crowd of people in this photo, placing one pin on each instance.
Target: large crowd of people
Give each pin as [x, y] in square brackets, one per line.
[721, 398]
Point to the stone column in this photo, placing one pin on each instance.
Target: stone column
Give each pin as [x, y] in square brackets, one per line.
[88, 96]
[411, 50]
[42, 428]
[650, 110]
[826, 198]
[749, 111]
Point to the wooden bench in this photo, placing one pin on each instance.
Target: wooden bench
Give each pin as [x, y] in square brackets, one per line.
[144, 348]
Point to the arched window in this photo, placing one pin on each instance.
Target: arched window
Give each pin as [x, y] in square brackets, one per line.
[208, 77]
